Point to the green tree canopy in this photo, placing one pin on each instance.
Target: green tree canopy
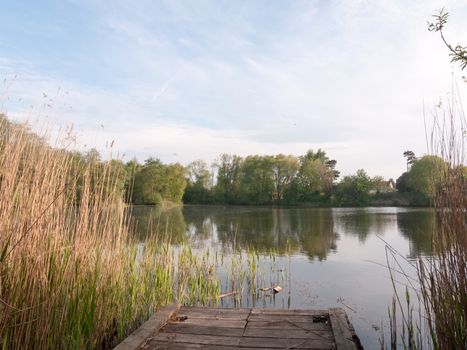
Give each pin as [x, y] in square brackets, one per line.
[284, 169]
[354, 189]
[156, 182]
[427, 174]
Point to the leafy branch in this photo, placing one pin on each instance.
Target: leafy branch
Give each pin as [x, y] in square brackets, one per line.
[458, 53]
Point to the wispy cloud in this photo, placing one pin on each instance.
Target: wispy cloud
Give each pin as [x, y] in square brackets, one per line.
[205, 77]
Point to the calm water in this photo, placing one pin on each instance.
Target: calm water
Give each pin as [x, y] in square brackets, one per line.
[332, 257]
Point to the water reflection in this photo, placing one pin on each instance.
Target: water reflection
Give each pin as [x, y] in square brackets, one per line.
[418, 228]
[167, 224]
[311, 232]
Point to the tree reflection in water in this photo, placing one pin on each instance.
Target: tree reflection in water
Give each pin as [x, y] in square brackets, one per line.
[418, 227]
[313, 232]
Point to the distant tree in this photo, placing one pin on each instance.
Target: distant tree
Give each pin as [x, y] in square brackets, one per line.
[427, 175]
[228, 178]
[198, 188]
[92, 155]
[156, 182]
[132, 167]
[198, 173]
[378, 184]
[319, 155]
[316, 175]
[312, 178]
[401, 183]
[175, 183]
[353, 190]
[331, 164]
[284, 169]
[257, 179]
[148, 185]
[410, 158]
[118, 176]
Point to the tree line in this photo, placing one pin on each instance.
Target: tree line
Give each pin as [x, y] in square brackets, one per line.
[310, 179]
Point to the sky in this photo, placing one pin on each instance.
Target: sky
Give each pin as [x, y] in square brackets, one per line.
[187, 80]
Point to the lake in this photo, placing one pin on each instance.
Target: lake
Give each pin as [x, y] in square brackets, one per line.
[326, 257]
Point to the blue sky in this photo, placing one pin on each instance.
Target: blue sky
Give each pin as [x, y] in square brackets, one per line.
[183, 80]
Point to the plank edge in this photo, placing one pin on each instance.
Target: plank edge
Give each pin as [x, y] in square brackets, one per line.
[148, 328]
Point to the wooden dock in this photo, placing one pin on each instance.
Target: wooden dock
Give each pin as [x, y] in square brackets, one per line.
[246, 329]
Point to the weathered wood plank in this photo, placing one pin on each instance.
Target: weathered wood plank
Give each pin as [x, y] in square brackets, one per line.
[247, 329]
[278, 317]
[140, 336]
[206, 330]
[260, 311]
[288, 333]
[218, 322]
[278, 343]
[340, 328]
[197, 339]
[215, 309]
[283, 324]
[158, 345]
[215, 313]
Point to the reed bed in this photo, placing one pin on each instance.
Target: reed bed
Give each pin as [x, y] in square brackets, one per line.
[443, 280]
[72, 275]
[433, 312]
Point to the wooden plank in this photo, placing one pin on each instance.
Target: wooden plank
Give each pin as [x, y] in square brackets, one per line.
[340, 327]
[158, 345]
[245, 329]
[288, 333]
[224, 322]
[278, 317]
[197, 339]
[278, 343]
[206, 330]
[241, 314]
[140, 336]
[260, 311]
[215, 309]
[283, 324]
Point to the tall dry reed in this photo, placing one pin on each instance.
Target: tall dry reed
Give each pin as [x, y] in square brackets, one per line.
[72, 275]
[440, 284]
[62, 235]
[443, 280]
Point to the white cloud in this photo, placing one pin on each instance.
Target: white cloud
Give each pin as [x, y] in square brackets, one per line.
[347, 76]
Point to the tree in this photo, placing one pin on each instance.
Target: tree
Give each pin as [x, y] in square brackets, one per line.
[316, 175]
[410, 158]
[354, 190]
[198, 174]
[175, 183]
[257, 184]
[331, 164]
[198, 183]
[284, 170]
[401, 183]
[118, 178]
[427, 175]
[228, 177]
[156, 182]
[378, 184]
